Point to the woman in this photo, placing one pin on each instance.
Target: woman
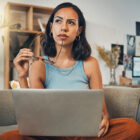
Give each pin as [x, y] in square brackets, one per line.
[68, 52]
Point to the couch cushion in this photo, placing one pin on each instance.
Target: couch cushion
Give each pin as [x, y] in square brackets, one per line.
[122, 102]
[7, 114]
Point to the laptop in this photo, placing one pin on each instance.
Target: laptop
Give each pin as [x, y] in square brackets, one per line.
[49, 112]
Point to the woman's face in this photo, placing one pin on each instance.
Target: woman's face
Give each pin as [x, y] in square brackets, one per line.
[65, 26]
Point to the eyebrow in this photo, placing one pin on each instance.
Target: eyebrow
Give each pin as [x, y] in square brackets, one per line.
[62, 18]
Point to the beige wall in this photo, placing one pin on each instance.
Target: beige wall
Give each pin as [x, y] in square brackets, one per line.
[108, 21]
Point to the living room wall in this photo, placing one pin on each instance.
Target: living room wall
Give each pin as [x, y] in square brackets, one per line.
[107, 22]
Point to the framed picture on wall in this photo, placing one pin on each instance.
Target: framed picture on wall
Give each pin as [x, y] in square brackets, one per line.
[131, 45]
[137, 45]
[138, 28]
[120, 49]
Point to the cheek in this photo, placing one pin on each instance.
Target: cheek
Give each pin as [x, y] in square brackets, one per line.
[54, 30]
[74, 34]
[75, 31]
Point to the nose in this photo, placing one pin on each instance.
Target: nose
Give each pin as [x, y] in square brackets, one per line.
[64, 27]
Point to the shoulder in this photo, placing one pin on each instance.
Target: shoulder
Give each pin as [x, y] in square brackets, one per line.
[93, 73]
[90, 65]
[91, 61]
[37, 65]
[37, 69]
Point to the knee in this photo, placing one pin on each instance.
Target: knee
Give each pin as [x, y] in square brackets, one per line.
[133, 128]
[10, 134]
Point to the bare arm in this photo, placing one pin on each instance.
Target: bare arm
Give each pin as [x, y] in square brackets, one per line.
[21, 63]
[95, 81]
[92, 70]
[23, 82]
[37, 74]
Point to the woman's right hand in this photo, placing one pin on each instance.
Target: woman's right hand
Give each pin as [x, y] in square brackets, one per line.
[21, 62]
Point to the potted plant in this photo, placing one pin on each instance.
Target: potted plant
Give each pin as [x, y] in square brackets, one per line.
[111, 59]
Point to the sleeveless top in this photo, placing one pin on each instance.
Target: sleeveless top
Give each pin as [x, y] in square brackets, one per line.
[68, 78]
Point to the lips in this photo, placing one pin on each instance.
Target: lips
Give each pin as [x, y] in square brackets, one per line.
[63, 36]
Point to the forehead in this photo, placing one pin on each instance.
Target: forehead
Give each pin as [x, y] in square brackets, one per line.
[68, 13]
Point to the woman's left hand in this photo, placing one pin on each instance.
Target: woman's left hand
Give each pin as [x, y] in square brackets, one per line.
[104, 125]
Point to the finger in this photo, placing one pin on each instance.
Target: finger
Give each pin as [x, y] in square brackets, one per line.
[101, 132]
[25, 54]
[25, 51]
[18, 60]
[21, 57]
[106, 128]
[102, 124]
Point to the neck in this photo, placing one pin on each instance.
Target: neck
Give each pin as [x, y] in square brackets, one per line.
[65, 54]
[64, 58]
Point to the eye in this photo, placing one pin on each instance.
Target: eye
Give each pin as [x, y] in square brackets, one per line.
[57, 21]
[71, 22]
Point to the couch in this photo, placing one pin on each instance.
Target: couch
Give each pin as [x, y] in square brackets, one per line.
[121, 102]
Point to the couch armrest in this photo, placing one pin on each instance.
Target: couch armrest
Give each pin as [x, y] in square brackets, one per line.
[122, 102]
[7, 113]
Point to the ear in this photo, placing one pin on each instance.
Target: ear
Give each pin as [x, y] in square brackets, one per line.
[79, 30]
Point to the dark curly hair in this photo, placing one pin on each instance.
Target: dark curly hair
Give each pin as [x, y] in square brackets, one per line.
[81, 49]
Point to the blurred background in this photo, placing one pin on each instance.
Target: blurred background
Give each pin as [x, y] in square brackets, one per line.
[109, 23]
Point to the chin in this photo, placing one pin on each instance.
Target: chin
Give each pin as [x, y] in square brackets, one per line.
[65, 43]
